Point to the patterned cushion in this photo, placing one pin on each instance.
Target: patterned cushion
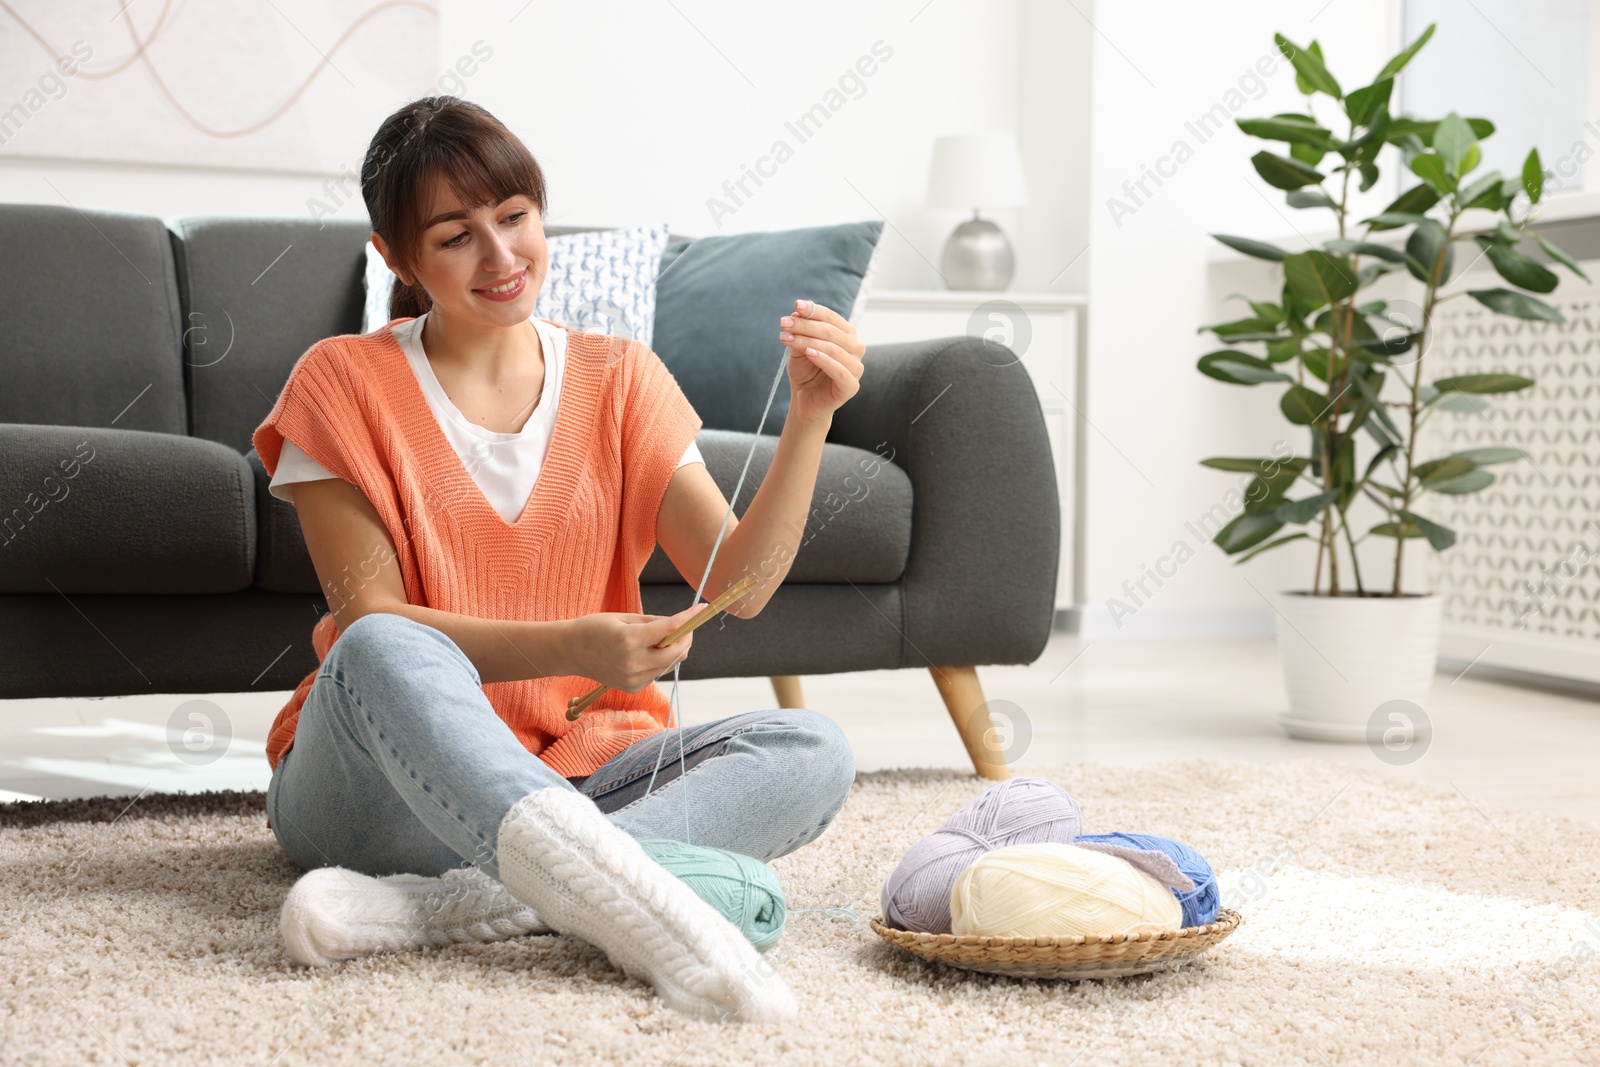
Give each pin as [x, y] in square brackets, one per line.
[599, 281]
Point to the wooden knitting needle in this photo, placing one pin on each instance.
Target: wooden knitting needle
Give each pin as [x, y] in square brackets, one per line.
[576, 705]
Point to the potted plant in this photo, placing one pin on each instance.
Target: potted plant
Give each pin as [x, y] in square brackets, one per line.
[1352, 371]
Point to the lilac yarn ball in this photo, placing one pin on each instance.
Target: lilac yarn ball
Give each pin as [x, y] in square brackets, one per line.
[1018, 811]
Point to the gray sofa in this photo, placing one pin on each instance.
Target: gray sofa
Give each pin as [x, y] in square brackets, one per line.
[140, 550]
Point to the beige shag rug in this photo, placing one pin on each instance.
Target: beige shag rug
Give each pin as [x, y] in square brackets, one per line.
[1385, 923]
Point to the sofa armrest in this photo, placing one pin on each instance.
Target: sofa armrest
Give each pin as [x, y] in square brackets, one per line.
[962, 418]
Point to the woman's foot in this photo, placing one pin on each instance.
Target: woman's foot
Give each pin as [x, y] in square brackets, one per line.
[334, 914]
[586, 877]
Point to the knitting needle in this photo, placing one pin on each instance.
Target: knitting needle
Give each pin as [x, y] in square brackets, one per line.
[576, 705]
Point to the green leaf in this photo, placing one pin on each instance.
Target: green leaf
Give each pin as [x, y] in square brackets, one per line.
[1251, 329]
[1466, 483]
[1254, 552]
[1248, 465]
[1429, 253]
[1298, 511]
[1440, 470]
[1304, 198]
[1517, 305]
[1239, 368]
[1247, 530]
[1317, 278]
[1308, 65]
[1300, 129]
[1393, 220]
[1518, 269]
[1364, 248]
[1492, 454]
[1506, 234]
[1266, 491]
[1369, 176]
[1333, 323]
[1415, 200]
[1423, 132]
[1316, 361]
[1308, 154]
[1302, 406]
[1378, 457]
[1283, 349]
[1453, 401]
[1266, 312]
[1369, 393]
[1259, 249]
[1394, 65]
[1438, 536]
[1452, 140]
[1372, 272]
[1281, 172]
[1362, 105]
[1533, 176]
[1559, 256]
[1392, 529]
[1484, 193]
[1483, 383]
[1431, 168]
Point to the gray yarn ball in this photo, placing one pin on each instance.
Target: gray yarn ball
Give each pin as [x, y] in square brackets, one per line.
[1018, 811]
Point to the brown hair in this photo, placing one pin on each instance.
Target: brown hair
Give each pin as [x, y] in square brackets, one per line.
[433, 138]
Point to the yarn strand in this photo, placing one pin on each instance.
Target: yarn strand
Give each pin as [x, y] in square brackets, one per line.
[674, 713]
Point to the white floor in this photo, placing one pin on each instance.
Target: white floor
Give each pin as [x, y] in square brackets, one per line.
[1121, 702]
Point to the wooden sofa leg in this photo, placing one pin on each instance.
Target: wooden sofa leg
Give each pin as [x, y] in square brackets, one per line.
[787, 687]
[963, 698]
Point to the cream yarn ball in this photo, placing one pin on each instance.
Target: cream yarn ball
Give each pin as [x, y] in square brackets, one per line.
[1056, 890]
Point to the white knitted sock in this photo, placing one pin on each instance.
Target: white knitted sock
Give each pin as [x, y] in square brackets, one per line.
[588, 878]
[333, 913]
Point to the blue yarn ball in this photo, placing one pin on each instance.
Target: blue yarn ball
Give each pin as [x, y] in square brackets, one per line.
[1200, 904]
[742, 888]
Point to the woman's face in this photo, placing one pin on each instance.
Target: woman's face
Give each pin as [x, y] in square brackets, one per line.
[466, 254]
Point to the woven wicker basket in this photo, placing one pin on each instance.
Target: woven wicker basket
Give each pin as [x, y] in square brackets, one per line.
[1064, 957]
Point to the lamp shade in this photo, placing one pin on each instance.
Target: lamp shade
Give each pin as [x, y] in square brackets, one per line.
[977, 170]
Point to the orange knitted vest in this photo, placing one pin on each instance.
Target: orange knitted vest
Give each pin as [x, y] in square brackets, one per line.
[354, 405]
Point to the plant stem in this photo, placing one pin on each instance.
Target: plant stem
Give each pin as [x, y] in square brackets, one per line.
[1355, 564]
[1429, 299]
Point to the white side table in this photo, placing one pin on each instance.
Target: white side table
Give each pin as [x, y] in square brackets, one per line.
[1046, 332]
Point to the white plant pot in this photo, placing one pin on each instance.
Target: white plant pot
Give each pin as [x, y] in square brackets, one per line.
[1344, 657]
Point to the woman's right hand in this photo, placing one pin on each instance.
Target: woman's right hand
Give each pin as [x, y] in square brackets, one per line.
[617, 648]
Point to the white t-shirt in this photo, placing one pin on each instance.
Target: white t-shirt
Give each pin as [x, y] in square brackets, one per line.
[505, 465]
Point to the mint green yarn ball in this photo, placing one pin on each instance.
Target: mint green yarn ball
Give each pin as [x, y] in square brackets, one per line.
[742, 888]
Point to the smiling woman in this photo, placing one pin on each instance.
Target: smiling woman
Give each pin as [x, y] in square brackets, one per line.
[433, 733]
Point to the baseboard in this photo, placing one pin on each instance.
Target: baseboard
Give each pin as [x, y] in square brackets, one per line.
[1095, 622]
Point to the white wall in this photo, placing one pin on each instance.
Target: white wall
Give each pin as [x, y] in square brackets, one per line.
[640, 113]
[1153, 279]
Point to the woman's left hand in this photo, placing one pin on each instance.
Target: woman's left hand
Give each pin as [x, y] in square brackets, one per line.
[825, 359]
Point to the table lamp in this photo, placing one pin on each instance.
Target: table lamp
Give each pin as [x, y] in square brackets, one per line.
[977, 170]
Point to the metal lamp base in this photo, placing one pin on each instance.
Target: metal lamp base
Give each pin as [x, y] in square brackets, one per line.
[978, 256]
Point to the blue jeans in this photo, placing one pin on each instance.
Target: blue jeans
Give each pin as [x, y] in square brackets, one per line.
[400, 765]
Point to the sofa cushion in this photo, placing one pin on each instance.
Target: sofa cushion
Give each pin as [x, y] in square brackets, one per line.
[718, 301]
[282, 563]
[256, 293]
[88, 510]
[858, 528]
[92, 333]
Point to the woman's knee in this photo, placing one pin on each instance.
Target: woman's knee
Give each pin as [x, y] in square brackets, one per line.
[382, 638]
[823, 758]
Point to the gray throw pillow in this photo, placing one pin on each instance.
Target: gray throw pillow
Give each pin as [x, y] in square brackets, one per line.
[718, 300]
